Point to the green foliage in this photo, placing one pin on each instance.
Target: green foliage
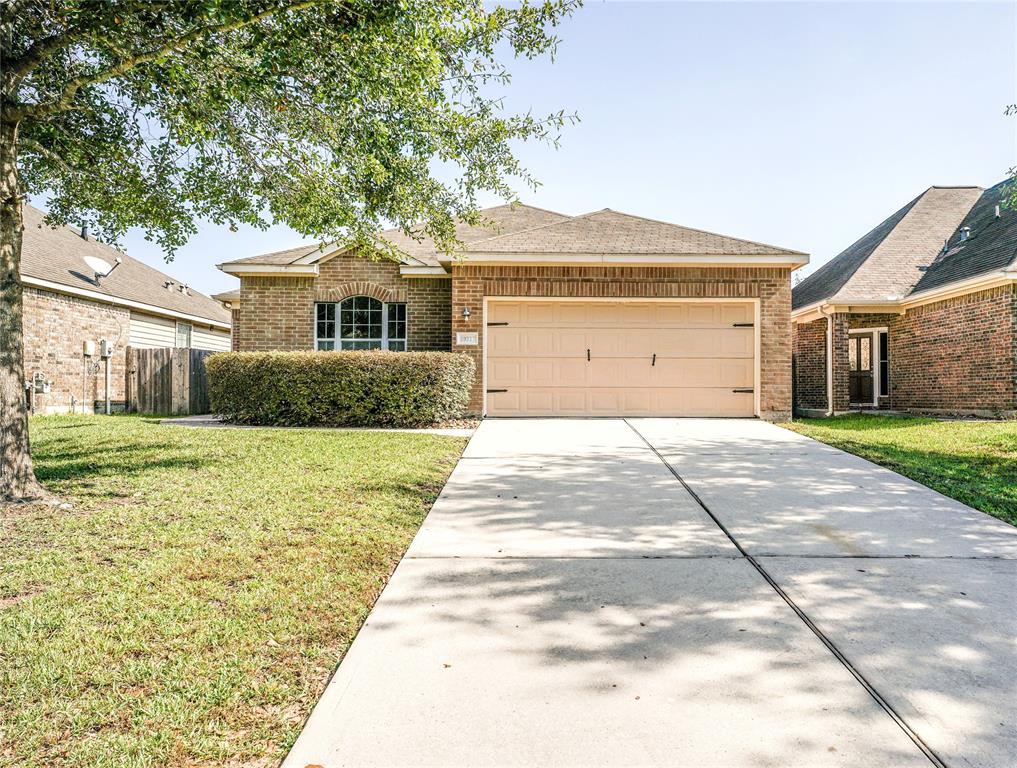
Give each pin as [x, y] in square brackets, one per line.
[391, 389]
[328, 115]
[1010, 193]
[190, 608]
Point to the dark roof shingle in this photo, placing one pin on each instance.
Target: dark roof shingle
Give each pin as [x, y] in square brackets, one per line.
[905, 253]
[992, 243]
[57, 255]
[832, 276]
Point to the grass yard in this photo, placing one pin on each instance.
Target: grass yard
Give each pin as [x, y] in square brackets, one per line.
[190, 607]
[972, 461]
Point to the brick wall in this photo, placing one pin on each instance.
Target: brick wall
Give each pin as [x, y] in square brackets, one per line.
[809, 350]
[954, 356]
[957, 355]
[471, 283]
[55, 328]
[277, 313]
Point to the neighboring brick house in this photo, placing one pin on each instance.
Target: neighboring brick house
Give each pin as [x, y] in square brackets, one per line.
[919, 315]
[604, 314]
[65, 306]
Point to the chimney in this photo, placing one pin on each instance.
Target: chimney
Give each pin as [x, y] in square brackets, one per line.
[84, 231]
[997, 211]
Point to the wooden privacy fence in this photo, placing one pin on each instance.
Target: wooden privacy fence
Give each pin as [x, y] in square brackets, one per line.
[167, 381]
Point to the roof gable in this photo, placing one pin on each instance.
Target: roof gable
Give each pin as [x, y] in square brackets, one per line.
[899, 261]
[498, 221]
[889, 261]
[613, 232]
[57, 256]
[421, 251]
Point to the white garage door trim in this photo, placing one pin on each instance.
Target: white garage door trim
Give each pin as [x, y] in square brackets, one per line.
[757, 326]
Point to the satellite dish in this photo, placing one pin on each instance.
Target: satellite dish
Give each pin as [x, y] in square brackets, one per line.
[101, 267]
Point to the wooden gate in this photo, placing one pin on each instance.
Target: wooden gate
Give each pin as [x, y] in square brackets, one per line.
[167, 381]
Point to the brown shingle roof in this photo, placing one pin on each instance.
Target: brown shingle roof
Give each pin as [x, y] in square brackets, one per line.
[57, 255]
[991, 243]
[612, 232]
[888, 262]
[499, 220]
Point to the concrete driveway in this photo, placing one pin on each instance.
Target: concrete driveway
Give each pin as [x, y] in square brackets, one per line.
[687, 593]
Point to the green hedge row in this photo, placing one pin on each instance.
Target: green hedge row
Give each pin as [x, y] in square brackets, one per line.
[339, 389]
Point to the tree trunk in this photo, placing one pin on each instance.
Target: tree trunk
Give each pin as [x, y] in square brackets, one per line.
[17, 478]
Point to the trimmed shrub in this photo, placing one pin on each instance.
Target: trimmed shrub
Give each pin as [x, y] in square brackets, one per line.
[339, 389]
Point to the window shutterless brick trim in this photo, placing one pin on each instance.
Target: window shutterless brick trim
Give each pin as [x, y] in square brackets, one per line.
[361, 288]
[277, 313]
[771, 285]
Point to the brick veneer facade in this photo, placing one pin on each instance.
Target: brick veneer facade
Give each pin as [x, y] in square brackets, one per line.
[953, 356]
[277, 313]
[809, 354]
[55, 328]
[771, 285]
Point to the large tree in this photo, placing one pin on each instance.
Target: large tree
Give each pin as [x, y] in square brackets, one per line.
[332, 116]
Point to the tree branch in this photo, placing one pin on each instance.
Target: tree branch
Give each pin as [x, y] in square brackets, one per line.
[63, 101]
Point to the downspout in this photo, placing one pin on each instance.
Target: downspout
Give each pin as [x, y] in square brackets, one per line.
[829, 360]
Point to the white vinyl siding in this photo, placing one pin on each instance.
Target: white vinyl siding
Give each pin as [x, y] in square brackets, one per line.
[149, 331]
[203, 338]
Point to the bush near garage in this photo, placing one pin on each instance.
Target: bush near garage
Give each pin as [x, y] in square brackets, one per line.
[339, 389]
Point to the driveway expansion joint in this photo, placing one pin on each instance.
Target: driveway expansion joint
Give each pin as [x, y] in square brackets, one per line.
[826, 641]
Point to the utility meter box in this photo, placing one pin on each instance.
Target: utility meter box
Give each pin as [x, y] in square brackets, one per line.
[41, 384]
[105, 348]
[88, 348]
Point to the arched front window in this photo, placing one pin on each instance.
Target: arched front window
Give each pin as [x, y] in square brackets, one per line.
[360, 322]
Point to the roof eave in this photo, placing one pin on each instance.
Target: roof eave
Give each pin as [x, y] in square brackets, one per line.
[423, 270]
[789, 259]
[982, 282]
[106, 298]
[248, 269]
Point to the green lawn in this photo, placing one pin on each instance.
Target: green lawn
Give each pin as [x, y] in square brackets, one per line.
[189, 608]
[972, 461]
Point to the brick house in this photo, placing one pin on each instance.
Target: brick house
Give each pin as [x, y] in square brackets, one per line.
[67, 306]
[918, 315]
[603, 314]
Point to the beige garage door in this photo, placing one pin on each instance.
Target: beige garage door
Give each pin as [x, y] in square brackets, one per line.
[579, 358]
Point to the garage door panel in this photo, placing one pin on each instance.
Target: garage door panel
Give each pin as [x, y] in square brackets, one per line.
[690, 342]
[540, 358]
[736, 313]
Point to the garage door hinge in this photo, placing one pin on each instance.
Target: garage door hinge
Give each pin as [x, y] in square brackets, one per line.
[496, 390]
[744, 325]
[490, 324]
[744, 390]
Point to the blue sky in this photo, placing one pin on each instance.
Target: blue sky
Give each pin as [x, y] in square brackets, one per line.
[798, 124]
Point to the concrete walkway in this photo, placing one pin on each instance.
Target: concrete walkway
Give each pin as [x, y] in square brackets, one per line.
[681, 593]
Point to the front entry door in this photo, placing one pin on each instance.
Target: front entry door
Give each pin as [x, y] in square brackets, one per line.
[860, 359]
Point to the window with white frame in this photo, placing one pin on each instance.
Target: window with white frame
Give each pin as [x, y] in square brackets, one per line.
[183, 335]
[884, 364]
[360, 322]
